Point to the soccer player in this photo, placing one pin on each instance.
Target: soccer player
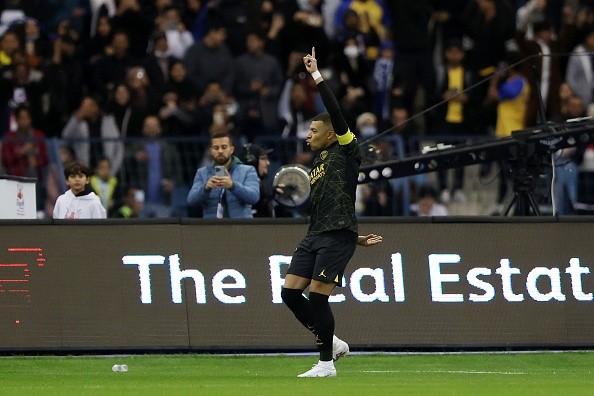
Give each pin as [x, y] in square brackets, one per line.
[322, 256]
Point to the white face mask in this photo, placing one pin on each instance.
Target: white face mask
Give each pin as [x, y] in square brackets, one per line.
[351, 51]
[368, 130]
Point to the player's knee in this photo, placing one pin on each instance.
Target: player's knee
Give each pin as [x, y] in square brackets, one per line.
[290, 296]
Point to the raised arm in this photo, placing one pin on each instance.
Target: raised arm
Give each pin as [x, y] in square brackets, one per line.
[330, 102]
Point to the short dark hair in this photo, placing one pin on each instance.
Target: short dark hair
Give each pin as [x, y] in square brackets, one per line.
[76, 168]
[222, 134]
[427, 190]
[324, 117]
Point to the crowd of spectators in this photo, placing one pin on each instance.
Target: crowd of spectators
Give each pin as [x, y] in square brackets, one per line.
[112, 77]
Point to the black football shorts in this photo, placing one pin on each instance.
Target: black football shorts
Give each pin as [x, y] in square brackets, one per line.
[324, 257]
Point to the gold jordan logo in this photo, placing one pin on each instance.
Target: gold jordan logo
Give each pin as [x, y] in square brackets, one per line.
[322, 273]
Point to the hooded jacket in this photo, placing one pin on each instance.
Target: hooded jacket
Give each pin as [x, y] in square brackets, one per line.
[84, 206]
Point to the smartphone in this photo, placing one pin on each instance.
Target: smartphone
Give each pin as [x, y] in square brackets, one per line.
[219, 171]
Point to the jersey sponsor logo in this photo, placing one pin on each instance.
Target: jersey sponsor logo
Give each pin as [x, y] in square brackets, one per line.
[324, 154]
[317, 173]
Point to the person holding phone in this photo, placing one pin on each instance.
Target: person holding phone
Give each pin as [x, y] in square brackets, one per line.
[226, 188]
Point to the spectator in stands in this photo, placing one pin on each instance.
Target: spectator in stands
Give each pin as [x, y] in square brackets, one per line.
[296, 108]
[210, 59]
[307, 27]
[138, 27]
[38, 47]
[128, 117]
[111, 68]
[531, 13]
[567, 160]
[192, 10]
[180, 103]
[257, 156]
[79, 202]
[21, 85]
[78, 12]
[258, 84]
[580, 73]
[455, 117]
[24, 152]
[375, 198]
[100, 43]
[9, 45]
[66, 78]
[447, 25]
[408, 131]
[414, 67]
[366, 125]
[547, 68]
[383, 75]
[225, 196]
[93, 135]
[427, 202]
[157, 168]
[13, 12]
[354, 74]
[158, 63]
[101, 9]
[511, 93]
[144, 97]
[106, 186]
[216, 110]
[276, 26]
[132, 204]
[179, 39]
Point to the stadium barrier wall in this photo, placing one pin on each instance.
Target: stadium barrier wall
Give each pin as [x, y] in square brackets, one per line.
[188, 284]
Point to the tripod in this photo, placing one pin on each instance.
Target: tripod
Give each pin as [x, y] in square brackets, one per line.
[523, 172]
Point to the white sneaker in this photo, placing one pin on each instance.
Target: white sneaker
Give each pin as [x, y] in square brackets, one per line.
[321, 369]
[339, 348]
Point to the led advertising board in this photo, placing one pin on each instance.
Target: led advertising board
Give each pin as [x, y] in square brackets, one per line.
[205, 285]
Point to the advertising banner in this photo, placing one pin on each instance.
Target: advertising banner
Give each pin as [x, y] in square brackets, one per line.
[216, 286]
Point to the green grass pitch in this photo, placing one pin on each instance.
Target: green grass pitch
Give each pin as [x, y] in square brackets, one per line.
[567, 373]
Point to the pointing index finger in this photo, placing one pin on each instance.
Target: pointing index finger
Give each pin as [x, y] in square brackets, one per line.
[313, 52]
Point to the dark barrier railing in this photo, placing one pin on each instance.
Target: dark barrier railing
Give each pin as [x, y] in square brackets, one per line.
[192, 152]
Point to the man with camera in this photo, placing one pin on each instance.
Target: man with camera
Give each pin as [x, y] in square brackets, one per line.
[226, 188]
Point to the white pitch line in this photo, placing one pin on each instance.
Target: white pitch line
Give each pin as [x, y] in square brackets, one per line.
[446, 372]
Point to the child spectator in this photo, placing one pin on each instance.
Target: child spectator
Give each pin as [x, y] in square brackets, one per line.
[427, 203]
[132, 204]
[79, 202]
[105, 185]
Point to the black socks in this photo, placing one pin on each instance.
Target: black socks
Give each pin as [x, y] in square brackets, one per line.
[324, 324]
[315, 314]
[299, 305]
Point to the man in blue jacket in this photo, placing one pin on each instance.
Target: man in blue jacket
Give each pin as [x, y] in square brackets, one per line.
[230, 193]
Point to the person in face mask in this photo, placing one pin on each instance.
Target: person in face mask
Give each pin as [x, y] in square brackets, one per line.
[367, 125]
[353, 74]
[351, 51]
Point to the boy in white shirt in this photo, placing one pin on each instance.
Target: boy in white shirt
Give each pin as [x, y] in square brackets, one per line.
[79, 202]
